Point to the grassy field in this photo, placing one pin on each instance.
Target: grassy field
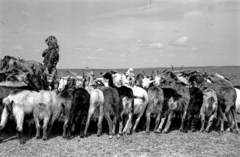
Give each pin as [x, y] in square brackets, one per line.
[173, 144]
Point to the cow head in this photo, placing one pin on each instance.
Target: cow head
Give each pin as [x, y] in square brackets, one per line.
[130, 78]
[146, 82]
[62, 83]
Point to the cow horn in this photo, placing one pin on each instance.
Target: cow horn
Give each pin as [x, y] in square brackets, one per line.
[73, 73]
[172, 67]
[205, 72]
[164, 70]
[152, 73]
[144, 73]
[181, 68]
[102, 75]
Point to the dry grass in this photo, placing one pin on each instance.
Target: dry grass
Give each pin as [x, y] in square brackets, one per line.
[139, 144]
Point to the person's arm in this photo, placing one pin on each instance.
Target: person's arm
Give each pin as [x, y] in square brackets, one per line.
[44, 52]
[54, 60]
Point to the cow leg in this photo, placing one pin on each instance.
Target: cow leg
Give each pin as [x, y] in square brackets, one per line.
[4, 119]
[169, 121]
[110, 124]
[194, 122]
[45, 125]
[37, 123]
[148, 121]
[202, 122]
[210, 121]
[114, 125]
[53, 119]
[183, 121]
[120, 125]
[65, 127]
[90, 113]
[221, 120]
[83, 122]
[128, 125]
[20, 119]
[159, 130]
[137, 121]
[234, 119]
[157, 122]
[229, 118]
[100, 119]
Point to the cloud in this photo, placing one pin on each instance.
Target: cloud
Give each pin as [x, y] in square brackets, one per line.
[183, 41]
[17, 47]
[171, 55]
[100, 49]
[194, 14]
[157, 45]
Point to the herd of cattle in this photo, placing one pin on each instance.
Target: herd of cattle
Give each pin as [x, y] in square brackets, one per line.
[36, 97]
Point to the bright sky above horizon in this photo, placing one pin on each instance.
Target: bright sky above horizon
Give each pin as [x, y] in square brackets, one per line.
[123, 33]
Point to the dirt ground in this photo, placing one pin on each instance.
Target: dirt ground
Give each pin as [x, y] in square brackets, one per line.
[173, 144]
[139, 144]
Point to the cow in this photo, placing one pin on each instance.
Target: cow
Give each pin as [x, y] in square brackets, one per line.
[209, 108]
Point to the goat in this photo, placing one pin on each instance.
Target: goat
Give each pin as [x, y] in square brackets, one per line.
[105, 101]
[181, 105]
[209, 108]
[18, 103]
[126, 102]
[226, 96]
[237, 89]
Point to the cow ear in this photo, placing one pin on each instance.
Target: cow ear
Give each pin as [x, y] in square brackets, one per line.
[63, 106]
[211, 100]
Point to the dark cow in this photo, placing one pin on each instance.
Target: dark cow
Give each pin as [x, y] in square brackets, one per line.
[73, 112]
[181, 105]
[126, 103]
[226, 96]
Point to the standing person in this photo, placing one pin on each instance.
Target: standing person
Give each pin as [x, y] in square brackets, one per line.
[51, 55]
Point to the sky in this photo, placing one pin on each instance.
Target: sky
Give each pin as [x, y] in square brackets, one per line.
[123, 33]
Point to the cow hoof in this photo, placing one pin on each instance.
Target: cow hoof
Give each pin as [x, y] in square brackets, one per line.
[37, 137]
[22, 142]
[193, 130]
[119, 135]
[110, 137]
[237, 131]
[147, 132]
[157, 131]
[44, 138]
[165, 131]
[98, 135]
[229, 129]
[81, 136]
[64, 136]
[128, 133]
[207, 131]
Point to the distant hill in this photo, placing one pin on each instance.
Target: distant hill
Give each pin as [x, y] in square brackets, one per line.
[209, 69]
